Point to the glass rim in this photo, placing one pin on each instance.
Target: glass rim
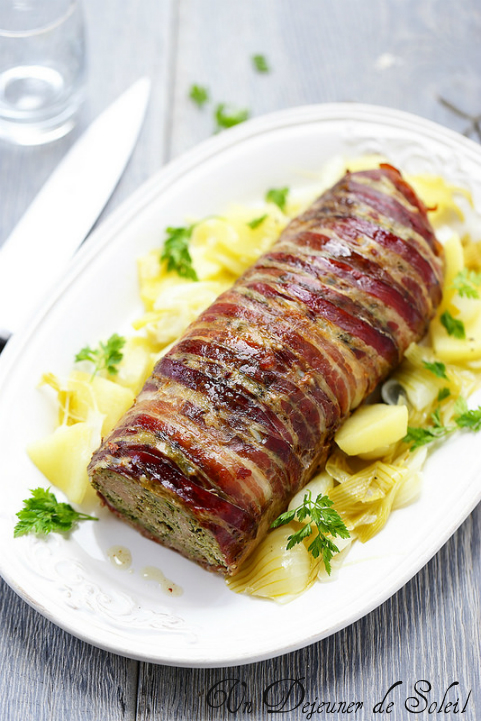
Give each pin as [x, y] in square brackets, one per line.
[6, 33]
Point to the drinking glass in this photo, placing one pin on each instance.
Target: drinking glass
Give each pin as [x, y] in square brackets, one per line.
[42, 69]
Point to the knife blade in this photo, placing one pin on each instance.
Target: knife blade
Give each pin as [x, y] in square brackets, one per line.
[67, 206]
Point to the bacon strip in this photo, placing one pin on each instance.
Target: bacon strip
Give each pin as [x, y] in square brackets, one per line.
[242, 410]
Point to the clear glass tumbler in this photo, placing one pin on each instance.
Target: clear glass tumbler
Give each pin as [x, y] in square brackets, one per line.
[42, 69]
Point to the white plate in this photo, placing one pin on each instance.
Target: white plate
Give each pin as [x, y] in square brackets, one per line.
[71, 581]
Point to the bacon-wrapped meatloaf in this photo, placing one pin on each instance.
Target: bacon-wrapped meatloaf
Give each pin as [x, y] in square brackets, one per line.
[237, 416]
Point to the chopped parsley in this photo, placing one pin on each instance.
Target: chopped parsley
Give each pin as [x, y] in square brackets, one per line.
[453, 326]
[443, 393]
[199, 95]
[437, 368]
[278, 196]
[227, 117]
[176, 252]
[260, 63]
[256, 222]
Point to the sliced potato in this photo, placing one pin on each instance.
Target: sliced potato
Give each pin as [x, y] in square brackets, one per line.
[220, 245]
[372, 427]
[377, 453]
[207, 238]
[457, 350]
[472, 253]
[151, 278]
[453, 264]
[136, 364]
[466, 309]
[63, 457]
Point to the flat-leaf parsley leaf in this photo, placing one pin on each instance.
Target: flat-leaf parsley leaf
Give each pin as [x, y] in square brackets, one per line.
[227, 117]
[42, 514]
[469, 419]
[438, 368]
[199, 95]
[443, 393]
[106, 357]
[256, 222]
[453, 327]
[260, 63]
[327, 521]
[418, 437]
[463, 418]
[278, 196]
[176, 252]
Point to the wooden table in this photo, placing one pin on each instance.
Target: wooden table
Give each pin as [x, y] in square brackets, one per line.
[404, 54]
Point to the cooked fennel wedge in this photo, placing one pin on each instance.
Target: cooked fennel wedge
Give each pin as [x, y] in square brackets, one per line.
[274, 572]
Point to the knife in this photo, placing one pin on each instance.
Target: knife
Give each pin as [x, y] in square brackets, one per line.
[64, 211]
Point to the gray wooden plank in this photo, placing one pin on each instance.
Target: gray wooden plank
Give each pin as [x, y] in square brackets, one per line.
[401, 54]
[429, 630]
[48, 675]
[128, 41]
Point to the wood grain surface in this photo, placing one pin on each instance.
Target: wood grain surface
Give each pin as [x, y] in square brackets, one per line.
[403, 54]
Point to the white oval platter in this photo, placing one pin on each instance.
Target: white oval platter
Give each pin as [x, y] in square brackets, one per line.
[70, 580]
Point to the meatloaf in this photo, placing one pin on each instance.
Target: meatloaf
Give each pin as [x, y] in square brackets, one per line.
[238, 415]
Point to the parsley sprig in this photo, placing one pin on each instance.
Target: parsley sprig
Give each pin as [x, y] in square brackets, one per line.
[470, 419]
[278, 196]
[327, 521]
[464, 418]
[43, 514]
[106, 356]
[176, 252]
[467, 283]
[418, 437]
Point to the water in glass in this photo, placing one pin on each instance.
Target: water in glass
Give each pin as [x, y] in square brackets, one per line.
[42, 68]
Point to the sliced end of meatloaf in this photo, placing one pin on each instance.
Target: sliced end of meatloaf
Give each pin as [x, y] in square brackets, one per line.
[148, 491]
[159, 518]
